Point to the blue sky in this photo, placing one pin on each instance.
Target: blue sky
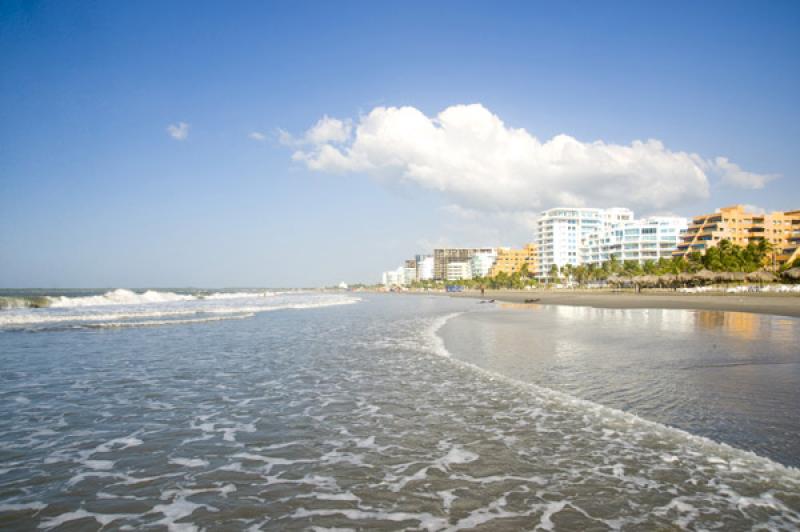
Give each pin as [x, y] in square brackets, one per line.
[94, 191]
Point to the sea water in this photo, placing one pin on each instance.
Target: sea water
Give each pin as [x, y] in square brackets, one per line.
[264, 410]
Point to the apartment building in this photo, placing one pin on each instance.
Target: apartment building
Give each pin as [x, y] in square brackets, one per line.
[443, 256]
[511, 260]
[637, 240]
[481, 263]
[734, 223]
[424, 267]
[560, 233]
[458, 271]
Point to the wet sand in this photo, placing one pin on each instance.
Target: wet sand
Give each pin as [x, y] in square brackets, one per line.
[775, 304]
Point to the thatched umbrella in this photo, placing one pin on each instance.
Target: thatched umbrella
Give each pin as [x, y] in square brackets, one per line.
[704, 276]
[684, 278]
[614, 279]
[648, 280]
[667, 279]
[792, 273]
[739, 276]
[724, 277]
[761, 277]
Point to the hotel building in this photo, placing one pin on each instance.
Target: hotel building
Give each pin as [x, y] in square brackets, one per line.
[424, 267]
[561, 231]
[457, 271]
[734, 223]
[511, 260]
[638, 240]
[443, 256]
[481, 263]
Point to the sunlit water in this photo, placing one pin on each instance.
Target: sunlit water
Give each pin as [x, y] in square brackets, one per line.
[313, 412]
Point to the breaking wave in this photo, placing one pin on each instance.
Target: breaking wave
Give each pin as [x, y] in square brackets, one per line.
[126, 308]
[120, 296]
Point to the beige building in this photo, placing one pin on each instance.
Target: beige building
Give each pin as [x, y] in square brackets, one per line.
[443, 256]
[511, 260]
[781, 229]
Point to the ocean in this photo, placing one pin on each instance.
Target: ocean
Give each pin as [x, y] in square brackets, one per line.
[259, 409]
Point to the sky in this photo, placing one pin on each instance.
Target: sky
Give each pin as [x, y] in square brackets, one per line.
[278, 144]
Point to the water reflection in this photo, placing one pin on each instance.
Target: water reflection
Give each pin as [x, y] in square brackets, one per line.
[731, 376]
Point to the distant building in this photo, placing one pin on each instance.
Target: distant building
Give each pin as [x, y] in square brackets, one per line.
[734, 223]
[343, 286]
[510, 260]
[481, 263]
[424, 267]
[443, 256]
[561, 231]
[636, 240]
[458, 271]
[396, 278]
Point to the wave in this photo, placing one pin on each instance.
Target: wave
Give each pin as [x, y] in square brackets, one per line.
[195, 312]
[435, 344]
[8, 303]
[120, 296]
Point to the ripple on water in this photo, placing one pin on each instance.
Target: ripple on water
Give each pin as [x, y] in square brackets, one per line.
[277, 424]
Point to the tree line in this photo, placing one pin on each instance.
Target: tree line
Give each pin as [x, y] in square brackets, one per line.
[724, 257]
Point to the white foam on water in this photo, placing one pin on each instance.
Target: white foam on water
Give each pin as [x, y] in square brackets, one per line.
[426, 520]
[179, 508]
[119, 444]
[237, 295]
[120, 309]
[103, 519]
[435, 345]
[120, 296]
[189, 462]
[23, 507]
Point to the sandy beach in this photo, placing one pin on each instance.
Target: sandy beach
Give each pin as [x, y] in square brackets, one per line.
[775, 304]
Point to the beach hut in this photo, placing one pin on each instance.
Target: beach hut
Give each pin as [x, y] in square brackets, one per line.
[761, 277]
[738, 277]
[723, 277]
[793, 274]
[704, 276]
[667, 279]
[648, 280]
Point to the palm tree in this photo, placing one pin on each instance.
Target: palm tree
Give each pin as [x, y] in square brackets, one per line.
[554, 273]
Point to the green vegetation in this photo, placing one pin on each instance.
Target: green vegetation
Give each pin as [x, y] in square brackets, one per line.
[725, 257]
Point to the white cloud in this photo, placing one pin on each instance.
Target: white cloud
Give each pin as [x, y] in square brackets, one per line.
[326, 131]
[731, 174]
[469, 154]
[256, 135]
[178, 131]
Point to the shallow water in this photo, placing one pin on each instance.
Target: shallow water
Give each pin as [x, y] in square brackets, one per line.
[340, 416]
[730, 376]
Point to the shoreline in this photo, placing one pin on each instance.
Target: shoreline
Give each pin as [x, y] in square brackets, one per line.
[776, 305]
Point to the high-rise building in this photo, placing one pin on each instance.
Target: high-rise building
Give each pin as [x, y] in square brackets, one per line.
[638, 240]
[561, 231]
[481, 263]
[734, 223]
[443, 256]
[457, 271]
[424, 267]
[511, 260]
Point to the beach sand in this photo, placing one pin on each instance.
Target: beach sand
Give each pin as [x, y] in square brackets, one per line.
[775, 304]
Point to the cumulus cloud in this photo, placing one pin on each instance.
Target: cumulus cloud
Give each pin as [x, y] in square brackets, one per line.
[469, 154]
[731, 174]
[256, 135]
[178, 131]
[326, 131]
